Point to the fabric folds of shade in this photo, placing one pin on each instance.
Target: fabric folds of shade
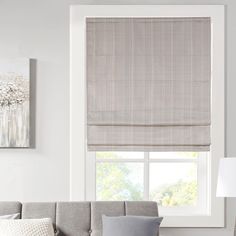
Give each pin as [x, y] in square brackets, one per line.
[148, 84]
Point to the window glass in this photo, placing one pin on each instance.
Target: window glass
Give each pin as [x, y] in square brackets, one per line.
[177, 181]
[173, 184]
[119, 181]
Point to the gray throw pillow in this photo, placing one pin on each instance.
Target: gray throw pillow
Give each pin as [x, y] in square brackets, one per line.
[10, 217]
[131, 225]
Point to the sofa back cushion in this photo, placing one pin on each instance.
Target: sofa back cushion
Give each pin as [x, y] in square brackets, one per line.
[9, 208]
[73, 218]
[38, 210]
[104, 208]
[78, 218]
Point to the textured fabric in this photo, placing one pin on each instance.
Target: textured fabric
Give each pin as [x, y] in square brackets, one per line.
[141, 208]
[73, 218]
[148, 84]
[35, 210]
[32, 227]
[9, 208]
[131, 226]
[145, 138]
[10, 217]
[79, 218]
[104, 208]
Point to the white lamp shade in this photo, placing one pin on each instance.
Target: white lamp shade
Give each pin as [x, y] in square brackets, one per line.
[226, 186]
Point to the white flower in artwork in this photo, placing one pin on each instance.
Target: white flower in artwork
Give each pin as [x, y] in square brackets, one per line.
[14, 90]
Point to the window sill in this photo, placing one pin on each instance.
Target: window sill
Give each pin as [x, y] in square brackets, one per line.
[193, 221]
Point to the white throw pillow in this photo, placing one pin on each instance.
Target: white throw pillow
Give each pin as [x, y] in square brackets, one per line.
[10, 217]
[26, 227]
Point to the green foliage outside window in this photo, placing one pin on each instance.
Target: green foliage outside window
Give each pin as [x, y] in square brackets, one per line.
[179, 194]
[114, 182]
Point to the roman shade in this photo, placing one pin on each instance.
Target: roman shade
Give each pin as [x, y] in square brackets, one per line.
[148, 84]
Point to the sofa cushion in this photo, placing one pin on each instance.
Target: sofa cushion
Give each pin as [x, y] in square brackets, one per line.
[37, 210]
[73, 218]
[141, 208]
[104, 208]
[78, 218]
[9, 208]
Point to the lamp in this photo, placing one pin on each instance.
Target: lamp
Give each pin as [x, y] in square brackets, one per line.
[226, 179]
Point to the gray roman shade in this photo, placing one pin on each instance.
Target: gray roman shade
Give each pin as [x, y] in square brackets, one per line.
[148, 84]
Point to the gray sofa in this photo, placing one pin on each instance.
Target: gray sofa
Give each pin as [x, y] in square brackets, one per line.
[78, 218]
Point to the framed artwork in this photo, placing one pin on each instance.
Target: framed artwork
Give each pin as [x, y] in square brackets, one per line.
[14, 103]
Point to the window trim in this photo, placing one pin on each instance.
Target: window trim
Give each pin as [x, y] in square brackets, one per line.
[78, 159]
[202, 161]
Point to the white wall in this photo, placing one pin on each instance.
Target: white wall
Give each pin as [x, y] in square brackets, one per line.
[40, 29]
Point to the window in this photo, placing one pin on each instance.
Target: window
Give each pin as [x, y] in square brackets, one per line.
[82, 167]
[178, 181]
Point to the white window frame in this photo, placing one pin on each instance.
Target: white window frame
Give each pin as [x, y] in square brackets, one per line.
[202, 180]
[78, 158]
